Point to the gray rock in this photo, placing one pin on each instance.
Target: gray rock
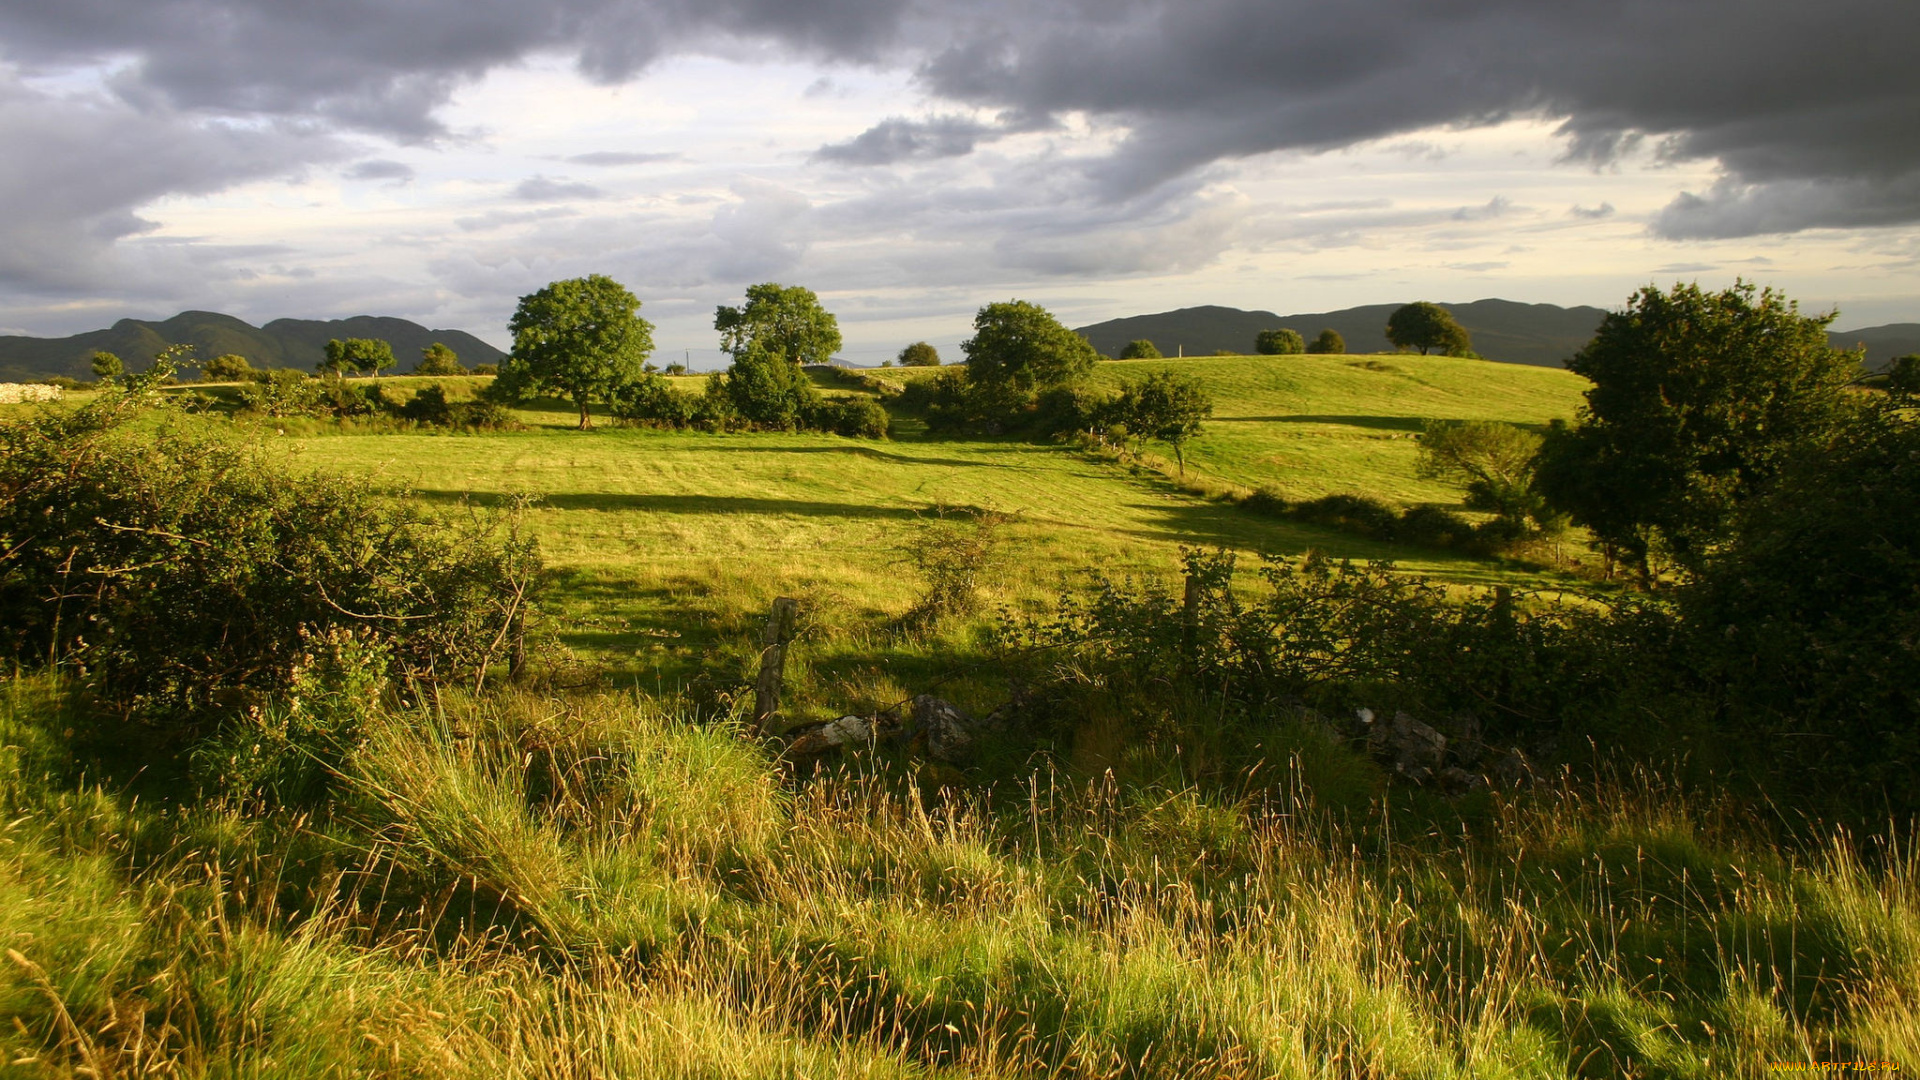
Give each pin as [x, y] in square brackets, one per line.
[837, 734]
[1512, 769]
[1414, 745]
[950, 732]
[1455, 780]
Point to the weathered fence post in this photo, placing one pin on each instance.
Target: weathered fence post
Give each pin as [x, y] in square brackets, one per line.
[773, 659]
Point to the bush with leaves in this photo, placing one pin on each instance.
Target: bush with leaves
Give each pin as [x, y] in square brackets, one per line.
[227, 367]
[768, 391]
[1812, 611]
[1141, 349]
[853, 417]
[1494, 462]
[1328, 341]
[954, 551]
[919, 354]
[183, 570]
[430, 406]
[1281, 342]
[1699, 398]
[438, 359]
[1333, 635]
[651, 401]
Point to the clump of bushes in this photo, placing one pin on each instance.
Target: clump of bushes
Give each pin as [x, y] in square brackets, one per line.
[761, 391]
[431, 408]
[285, 393]
[185, 574]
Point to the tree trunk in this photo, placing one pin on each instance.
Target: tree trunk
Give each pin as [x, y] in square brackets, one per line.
[586, 419]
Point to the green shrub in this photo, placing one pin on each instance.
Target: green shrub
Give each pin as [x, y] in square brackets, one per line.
[1328, 341]
[183, 572]
[1281, 342]
[1140, 350]
[1432, 526]
[650, 401]
[1352, 513]
[768, 391]
[429, 406]
[854, 417]
[953, 552]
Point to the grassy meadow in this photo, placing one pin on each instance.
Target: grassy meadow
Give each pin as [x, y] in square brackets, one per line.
[669, 544]
[608, 877]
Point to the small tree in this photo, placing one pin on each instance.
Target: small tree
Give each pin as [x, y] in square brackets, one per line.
[784, 319]
[1698, 399]
[369, 355]
[919, 354]
[1426, 326]
[1164, 406]
[1140, 350]
[767, 391]
[1280, 342]
[583, 338]
[106, 365]
[1329, 342]
[227, 367]
[437, 359]
[1493, 461]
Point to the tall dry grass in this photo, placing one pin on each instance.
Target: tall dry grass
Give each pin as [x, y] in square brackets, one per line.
[543, 888]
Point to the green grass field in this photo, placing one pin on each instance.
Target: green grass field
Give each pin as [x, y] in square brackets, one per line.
[670, 543]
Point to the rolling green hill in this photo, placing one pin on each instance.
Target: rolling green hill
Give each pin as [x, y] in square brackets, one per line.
[295, 343]
[1306, 426]
[1539, 334]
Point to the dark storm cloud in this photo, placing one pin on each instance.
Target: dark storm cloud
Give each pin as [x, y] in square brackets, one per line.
[75, 169]
[387, 67]
[897, 139]
[1802, 105]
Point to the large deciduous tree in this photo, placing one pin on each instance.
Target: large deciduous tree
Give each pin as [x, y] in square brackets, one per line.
[1698, 400]
[1017, 350]
[582, 338]
[369, 355]
[1424, 326]
[786, 319]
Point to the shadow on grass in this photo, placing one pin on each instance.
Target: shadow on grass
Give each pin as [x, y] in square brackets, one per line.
[856, 451]
[1205, 524]
[681, 504]
[1383, 423]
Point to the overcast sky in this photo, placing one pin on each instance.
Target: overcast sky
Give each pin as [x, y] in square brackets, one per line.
[912, 159]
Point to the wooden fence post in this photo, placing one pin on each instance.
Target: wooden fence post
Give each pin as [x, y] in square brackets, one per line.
[773, 659]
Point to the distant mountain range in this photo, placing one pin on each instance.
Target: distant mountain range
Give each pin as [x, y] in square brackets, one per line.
[293, 343]
[1541, 334]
